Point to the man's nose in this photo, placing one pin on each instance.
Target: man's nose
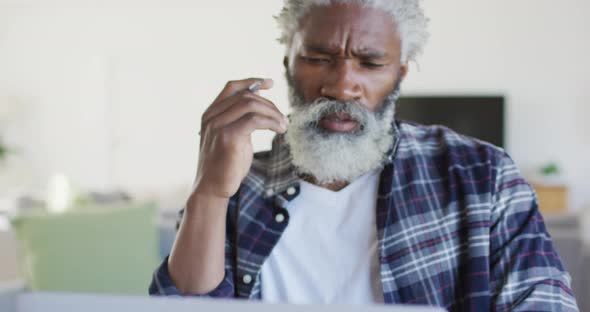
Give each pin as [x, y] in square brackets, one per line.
[342, 82]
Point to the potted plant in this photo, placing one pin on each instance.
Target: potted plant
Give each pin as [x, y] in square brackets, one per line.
[3, 150]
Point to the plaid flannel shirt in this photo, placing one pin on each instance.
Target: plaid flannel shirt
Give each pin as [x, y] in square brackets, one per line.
[458, 227]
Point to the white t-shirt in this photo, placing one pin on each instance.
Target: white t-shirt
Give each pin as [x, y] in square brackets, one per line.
[328, 253]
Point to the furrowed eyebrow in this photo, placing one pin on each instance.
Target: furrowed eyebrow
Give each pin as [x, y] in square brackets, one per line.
[369, 53]
[320, 49]
[364, 53]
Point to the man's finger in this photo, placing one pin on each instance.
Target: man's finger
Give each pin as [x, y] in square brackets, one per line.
[228, 104]
[233, 87]
[251, 122]
[250, 107]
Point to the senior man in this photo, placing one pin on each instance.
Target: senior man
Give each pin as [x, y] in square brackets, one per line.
[350, 205]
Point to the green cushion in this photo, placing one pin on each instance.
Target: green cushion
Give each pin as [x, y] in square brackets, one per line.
[91, 250]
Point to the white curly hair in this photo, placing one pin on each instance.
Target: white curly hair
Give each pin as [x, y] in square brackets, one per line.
[408, 15]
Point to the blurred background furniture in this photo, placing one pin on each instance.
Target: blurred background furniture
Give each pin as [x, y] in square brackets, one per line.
[567, 236]
[8, 295]
[459, 112]
[9, 268]
[10, 278]
[167, 231]
[111, 250]
[552, 198]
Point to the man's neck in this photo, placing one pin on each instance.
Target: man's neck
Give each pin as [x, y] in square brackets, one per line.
[334, 186]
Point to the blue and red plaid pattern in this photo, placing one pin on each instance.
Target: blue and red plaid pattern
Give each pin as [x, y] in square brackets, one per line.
[458, 227]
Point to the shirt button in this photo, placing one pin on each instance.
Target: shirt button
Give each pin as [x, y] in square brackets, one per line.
[269, 192]
[291, 191]
[247, 279]
[280, 218]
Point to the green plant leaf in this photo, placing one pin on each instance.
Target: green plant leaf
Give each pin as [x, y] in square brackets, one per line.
[550, 169]
[3, 151]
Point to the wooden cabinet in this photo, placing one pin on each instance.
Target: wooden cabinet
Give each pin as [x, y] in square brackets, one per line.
[552, 199]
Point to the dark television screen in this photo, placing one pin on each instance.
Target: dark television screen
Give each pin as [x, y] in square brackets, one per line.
[479, 117]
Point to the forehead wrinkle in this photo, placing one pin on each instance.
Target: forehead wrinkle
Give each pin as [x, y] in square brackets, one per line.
[346, 39]
[340, 40]
[361, 50]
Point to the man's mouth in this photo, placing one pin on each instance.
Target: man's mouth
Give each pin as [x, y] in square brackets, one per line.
[338, 122]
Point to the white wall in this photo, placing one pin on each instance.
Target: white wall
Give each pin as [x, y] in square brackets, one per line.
[534, 51]
[112, 93]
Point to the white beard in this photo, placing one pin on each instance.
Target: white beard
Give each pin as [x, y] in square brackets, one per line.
[339, 157]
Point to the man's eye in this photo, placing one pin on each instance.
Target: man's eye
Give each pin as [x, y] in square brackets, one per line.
[372, 65]
[315, 60]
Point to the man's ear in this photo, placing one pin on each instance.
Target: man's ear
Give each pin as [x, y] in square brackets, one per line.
[404, 70]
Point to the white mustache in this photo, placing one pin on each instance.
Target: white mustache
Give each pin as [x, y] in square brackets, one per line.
[331, 157]
[312, 113]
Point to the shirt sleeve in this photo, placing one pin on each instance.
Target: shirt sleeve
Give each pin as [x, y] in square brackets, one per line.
[526, 271]
[162, 284]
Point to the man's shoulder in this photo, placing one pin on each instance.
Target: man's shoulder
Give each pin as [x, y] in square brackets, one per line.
[441, 142]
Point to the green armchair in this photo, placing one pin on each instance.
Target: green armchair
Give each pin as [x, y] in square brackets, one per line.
[109, 250]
